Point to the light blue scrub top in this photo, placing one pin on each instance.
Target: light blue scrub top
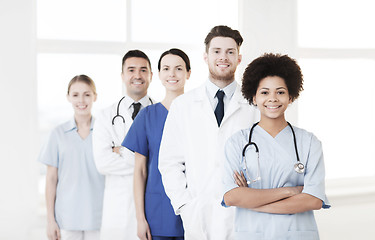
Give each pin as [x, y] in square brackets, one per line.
[79, 193]
[277, 159]
[144, 137]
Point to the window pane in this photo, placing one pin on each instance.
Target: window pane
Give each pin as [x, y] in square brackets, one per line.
[180, 21]
[336, 24]
[199, 69]
[337, 106]
[82, 20]
[56, 70]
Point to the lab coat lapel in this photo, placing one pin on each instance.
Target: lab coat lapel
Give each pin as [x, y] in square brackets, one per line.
[234, 104]
[202, 102]
[128, 121]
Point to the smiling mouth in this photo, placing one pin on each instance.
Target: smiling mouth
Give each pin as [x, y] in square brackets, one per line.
[222, 65]
[137, 82]
[172, 81]
[82, 107]
[273, 107]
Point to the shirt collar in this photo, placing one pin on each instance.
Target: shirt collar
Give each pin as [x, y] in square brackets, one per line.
[71, 125]
[143, 101]
[228, 90]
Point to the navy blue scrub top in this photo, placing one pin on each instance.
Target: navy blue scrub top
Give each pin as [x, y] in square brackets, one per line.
[144, 137]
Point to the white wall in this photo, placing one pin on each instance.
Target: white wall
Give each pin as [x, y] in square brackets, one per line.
[18, 181]
[271, 26]
[351, 216]
[268, 26]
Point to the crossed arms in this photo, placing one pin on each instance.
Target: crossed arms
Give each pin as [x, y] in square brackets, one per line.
[284, 200]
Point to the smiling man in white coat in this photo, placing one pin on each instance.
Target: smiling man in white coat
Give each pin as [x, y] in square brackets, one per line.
[192, 148]
[115, 161]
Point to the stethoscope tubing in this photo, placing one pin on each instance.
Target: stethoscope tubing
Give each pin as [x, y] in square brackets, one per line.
[295, 142]
[118, 111]
[298, 167]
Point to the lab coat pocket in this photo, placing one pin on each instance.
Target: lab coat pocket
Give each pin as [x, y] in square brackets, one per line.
[153, 209]
[192, 220]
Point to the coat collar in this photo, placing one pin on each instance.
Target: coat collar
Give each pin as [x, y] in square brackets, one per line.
[235, 103]
[212, 89]
[145, 101]
[201, 95]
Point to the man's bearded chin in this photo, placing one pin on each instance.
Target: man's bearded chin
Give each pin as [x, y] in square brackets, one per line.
[227, 77]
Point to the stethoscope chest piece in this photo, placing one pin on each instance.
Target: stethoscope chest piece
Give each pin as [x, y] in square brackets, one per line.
[299, 167]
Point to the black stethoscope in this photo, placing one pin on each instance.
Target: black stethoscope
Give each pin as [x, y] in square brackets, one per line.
[118, 111]
[298, 167]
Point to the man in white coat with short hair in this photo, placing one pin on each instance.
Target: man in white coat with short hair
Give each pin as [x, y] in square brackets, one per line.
[192, 148]
[113, 160]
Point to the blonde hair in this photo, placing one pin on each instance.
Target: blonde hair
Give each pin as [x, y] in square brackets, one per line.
[84, 79]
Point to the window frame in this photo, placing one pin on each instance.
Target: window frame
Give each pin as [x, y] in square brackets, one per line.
[343, 190]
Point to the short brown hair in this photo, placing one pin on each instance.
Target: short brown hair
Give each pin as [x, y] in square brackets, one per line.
[223, 31]
[137, 54]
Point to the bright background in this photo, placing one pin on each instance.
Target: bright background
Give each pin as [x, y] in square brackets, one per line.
[46, 42]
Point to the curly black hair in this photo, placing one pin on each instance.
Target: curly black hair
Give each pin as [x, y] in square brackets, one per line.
[270, 64]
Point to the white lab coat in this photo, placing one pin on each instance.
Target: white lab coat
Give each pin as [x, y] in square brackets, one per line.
[119, 221]
[191, 158]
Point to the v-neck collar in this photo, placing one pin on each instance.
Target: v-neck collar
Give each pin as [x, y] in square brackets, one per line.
[268, 134]
[72, 126]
